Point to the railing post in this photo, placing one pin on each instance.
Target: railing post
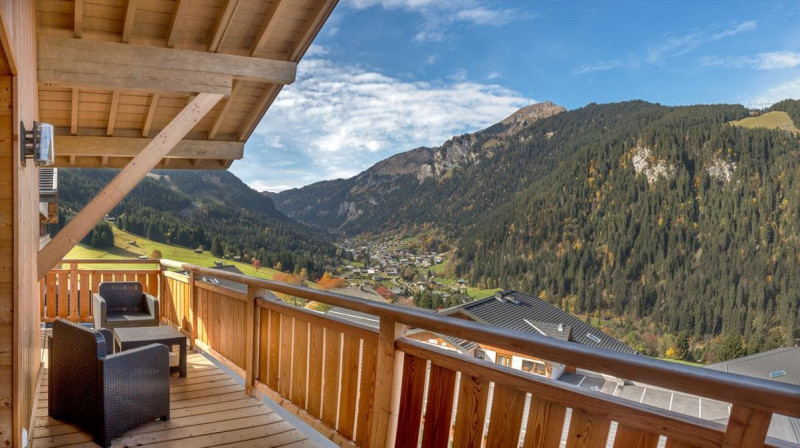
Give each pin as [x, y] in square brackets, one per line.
[252, 340]
[192, 308]
[73, 292]
[388, 381]
[747, 428]
[162, 295]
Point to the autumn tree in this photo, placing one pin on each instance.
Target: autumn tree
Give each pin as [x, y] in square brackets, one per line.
[256, 264]
[328, 281]
[384, 292]
[156, 254]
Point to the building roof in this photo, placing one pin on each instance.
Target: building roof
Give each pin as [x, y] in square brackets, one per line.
[112, 74]
[221, 282]
[48, 184]
[514, 310]
[781, 364]
[361, 292]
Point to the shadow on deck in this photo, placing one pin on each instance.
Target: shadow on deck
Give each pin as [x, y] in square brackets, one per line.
[208, 408]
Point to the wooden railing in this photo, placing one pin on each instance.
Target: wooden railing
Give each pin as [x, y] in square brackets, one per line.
[367, 387]
[66, 291]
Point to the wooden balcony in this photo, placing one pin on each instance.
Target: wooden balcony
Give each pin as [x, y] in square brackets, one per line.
[359, 386]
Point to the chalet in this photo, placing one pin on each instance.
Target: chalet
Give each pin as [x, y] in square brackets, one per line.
[48, 202]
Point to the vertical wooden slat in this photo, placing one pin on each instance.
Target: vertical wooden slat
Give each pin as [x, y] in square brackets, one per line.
[747, 428]
[439, 409]
[330, 391]
[349, 389]
[85, 296]
[73, 292]
[366, 391]
[545, 423]
[587, 431]
[506, 422]
[50, 281]
[316, 349]
[285, 375]
[412, 392]
[263, 334]
[142, 280]
[382, 429]
[473, 394]
[152, 284]
[252, 336]
[274, 349]
[676, 444]
[95, 282]
[42, 282]
[300, 363]
[63, 294]
[627, 437]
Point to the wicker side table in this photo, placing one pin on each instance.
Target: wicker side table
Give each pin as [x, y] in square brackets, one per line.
[133, 337]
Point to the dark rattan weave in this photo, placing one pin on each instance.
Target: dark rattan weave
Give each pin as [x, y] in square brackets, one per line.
[123, 304]
[128, 338]
[105, 394]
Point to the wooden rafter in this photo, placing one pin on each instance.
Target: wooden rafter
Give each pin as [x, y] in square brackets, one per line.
[221, 27]
[151, 112]
[73, 128]
[130, 17]
[85, 146]
[81, 62]
[125, 181]
[78, 19]
[237, 87]
[266, 31]
[112, 113]
[180, 7]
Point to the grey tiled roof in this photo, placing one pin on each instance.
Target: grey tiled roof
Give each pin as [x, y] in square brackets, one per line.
[512, 314]
[764, 365]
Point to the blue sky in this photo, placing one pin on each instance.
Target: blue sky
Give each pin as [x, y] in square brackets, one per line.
[386, 76]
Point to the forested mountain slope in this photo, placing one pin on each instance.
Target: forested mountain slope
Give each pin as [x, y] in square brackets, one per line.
[668, 214]
[193, 208]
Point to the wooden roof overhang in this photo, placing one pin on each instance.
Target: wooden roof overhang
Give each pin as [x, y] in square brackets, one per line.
[113, 73]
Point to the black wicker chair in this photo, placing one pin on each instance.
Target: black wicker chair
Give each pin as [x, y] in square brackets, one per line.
[105, 395]
[123, 304]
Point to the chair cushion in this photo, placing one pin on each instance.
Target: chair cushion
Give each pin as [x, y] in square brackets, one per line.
[122, 297]
[128, 317]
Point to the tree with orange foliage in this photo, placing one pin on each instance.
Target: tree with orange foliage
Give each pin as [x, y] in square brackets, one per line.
[385, 293]
[328, 281]
[256, 264]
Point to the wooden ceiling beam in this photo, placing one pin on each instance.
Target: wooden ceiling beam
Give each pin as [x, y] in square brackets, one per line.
[151, 112]
[130, 16]
[112, 113]
[237, 86]
[269, 27]
[84, 146]
[73, 128]
[121, 162]
[125, 181]
[113, 65]
[221, 27]
[78, 19]
[180, 7]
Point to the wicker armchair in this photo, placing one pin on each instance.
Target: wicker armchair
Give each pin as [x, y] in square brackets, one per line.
[123, 304]
[105, 395]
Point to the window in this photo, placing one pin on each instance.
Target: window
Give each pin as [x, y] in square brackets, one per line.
[534, 367]
[504, 360]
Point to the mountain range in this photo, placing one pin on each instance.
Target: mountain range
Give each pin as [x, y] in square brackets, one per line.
[671, 220]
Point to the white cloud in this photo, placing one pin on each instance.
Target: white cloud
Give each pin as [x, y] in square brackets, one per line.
[336, 121]
[762, 61]
[789, 89]
[441, 17]
[597, 67]
[682, 44]
[492, 75]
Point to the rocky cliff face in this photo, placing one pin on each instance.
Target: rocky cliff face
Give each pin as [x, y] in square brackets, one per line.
[339, 205]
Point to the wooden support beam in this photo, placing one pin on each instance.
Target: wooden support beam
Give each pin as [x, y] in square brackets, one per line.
[266, 31]
[112, 113]
[221, 27]
[747, 428]
[151, 112]
[98, 64]
[83, 146]
[130, 16]
[125, 181]
[7, 41]
[180, 7]
[237, 87]
[388, 382]
[73, 127]
[78, 19]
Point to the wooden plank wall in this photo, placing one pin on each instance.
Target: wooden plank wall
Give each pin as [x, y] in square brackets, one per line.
[19, 239]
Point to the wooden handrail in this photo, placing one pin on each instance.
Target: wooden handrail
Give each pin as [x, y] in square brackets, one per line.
[111, 261]
[755, 393]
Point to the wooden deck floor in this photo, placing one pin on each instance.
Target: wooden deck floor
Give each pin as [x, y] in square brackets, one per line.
[208, 408]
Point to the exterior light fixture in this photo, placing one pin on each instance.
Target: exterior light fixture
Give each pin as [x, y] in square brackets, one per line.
[37, 143]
